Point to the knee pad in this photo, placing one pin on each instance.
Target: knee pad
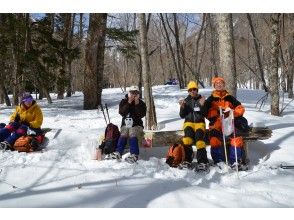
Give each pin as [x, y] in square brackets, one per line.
[187, 140]
[200, 144]
[215, 142]
[237, 141]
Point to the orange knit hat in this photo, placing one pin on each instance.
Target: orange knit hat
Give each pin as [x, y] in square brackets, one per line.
[217, 79]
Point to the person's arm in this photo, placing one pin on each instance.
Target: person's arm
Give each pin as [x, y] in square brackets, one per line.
[38, 120]
[206, 106]
[237, 107]
[140, 109]
[124, 107]
[15, 115]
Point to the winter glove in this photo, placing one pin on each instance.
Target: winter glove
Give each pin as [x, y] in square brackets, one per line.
[25, 123]
[17, 118]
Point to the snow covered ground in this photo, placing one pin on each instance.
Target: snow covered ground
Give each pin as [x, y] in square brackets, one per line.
[66, 175]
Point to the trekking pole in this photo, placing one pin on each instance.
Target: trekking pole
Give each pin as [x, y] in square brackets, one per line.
[224, 137]
[102, 109]
[234, 133]
[107, 112]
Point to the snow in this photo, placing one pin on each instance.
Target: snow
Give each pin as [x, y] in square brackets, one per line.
[66, 176]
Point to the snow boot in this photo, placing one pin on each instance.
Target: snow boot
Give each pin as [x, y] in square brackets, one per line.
[113, 156]
[4, 145]
[202, 167]
[132, 158]
[185, 165]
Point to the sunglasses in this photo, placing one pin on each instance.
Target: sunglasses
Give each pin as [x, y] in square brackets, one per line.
[194, 89]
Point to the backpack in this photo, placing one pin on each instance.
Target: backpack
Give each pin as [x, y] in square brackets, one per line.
[241, 124]
[111, 137]
[175, 155]
[26, 144]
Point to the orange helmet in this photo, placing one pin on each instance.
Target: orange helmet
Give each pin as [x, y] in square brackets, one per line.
[217, 79]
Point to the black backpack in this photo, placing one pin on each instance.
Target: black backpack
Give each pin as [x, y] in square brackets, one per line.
[241, 124]
[111, 137]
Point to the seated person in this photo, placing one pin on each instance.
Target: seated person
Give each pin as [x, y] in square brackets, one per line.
[27, 115]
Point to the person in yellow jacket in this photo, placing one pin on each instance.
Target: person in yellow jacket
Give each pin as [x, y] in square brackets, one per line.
[27, 115]
[194, 127]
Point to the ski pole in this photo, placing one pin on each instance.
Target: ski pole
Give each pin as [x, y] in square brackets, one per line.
[224, 138]
[107, 112]
[103, 113]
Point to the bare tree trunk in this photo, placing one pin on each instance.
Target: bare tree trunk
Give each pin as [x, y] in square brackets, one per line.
[199, 35]
[178, 50]
[227, 51]
[260, 66]
[274, 64]
[95, 48]
[171, 50]
[291, 61]
[81, 27]
[151, 122]
[213, 45]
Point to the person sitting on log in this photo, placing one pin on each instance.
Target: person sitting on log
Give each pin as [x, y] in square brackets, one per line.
[194, 127]
[221, 99]
[132, 109]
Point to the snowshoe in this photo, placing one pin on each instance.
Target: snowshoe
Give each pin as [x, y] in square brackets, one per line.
[241, 166]
[113, 156]
[202, 167]
[185, 165]
[132, 158]
[4, 145]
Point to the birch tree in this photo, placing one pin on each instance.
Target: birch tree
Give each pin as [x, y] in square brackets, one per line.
[227, 51]
[274, 63]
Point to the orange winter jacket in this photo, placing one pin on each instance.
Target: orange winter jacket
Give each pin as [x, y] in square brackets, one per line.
[32, 115]
[224, 100]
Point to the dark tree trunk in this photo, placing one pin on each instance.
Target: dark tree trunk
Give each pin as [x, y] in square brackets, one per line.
[95, 47]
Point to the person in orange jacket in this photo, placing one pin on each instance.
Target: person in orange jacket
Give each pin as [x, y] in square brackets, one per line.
[221, 98]
[27, 115]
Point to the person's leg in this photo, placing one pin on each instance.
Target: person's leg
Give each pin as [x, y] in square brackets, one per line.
[238, 143]
[201, 154]
[8, 129]
[216, 150]
[122, 141]
[135, 132]
[188, 140]
[22, 130]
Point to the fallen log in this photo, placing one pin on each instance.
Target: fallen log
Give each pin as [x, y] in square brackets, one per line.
[166, 138]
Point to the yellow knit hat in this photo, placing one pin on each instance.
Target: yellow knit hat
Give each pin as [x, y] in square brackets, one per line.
[192, 85]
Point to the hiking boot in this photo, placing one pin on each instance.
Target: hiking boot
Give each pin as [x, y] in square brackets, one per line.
[132, 158]
[241, 166]
[4, 145]
[201, 167]
[113, 156]
[185, 165]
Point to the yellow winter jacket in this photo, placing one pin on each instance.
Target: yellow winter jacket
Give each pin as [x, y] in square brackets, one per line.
[32, 115]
